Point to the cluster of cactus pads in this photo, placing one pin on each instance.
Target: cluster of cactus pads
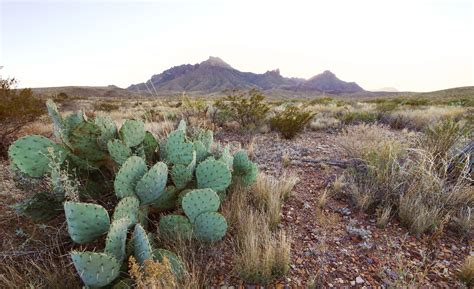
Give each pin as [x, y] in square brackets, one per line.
[185, 175]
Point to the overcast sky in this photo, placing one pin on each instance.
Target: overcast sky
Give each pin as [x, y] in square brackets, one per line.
[415, 45]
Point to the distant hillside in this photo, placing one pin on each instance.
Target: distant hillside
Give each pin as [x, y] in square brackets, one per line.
[215, 75]
[84, 91]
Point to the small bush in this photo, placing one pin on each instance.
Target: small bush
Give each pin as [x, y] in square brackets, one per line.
[356, 117]
[247, 108]
[17, 108]
[105, 106]
[291, 121]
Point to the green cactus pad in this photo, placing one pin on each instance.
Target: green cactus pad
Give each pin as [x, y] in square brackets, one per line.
[181, 175]
[71, 121]
[85, 221]
[206, 138]
[150, 145]
[178, 150]
[175, 227]
[108, 130]
[201, 151]
[226, 157]
[96, 269]
[128, 176]
[55, 116]
[118, 151]
[198, 201]
[83, 141]
[213, 174]
[30, 154]
[162, 150]
[210, 227]
[116, 238]
[176, 263]
[132, 132]
[143, 216]
[152, 184]
[244, 169]
[167, 199]
[143, 249]
[182, 125]
[127, 208]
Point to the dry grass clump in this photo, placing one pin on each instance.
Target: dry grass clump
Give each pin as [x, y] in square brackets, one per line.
[324, 122]
[414, 182]
[160, 129]
[261, 255]
[152, 275]
[466, 272]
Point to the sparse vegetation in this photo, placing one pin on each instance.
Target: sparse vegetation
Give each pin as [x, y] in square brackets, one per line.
[291, 121]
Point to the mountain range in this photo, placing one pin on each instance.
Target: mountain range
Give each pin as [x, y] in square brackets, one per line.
[214, 75]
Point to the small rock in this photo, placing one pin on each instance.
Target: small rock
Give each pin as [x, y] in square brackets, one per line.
[359, 280]
[353, 283]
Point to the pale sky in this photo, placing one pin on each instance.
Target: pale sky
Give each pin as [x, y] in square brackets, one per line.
[415, 45]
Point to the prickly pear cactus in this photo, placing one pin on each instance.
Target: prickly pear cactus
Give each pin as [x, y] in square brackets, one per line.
[178, 150]
[70, 122]
[83, 141]
[182, 125]
[128, 176]
[196, 202]
[177, 265]
[201, 151]
[150, 145]
[127, 209]
[86, 222]
[118, 151]
[108, 130]
[206, 138]
[56, 117]
[132, 132]
[226, 157]
[182, 175]
[152, 184]
[209, 227]
[116, 239]
[244, 169]
[143, 249]
[167, 199]
[213, 174]
[175, 227]
[30, 154]
[96, 269]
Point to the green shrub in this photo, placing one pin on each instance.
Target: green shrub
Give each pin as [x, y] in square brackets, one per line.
[291, 121]
[17, 108]
[247, 108]
[355, 117]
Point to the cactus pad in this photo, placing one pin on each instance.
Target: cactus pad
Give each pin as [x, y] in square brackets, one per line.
[206, 138]
[178, 150]
[85, 222]
[116, 238]
[210, 227]
[150, 145]
[175, 227]
[30, 154]
[182, 175]
[213, 174]
[167, 199]
[201, 151]
[108, 130]
[55, 116]
[226, 157]
[152, 184]
[71, 121]
[118, 151]
[141, 243]
[128, 176]
[182, 125]
[95, 269]
[176, 264]
[244, 169]
[127, 208]
[132, 132]
[198, 201]
[83, 141]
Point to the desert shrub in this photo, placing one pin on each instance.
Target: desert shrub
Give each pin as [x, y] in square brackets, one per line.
[322, 123]
[105, 106]
[247, 108]
[321, 100]
[17, 108]
[356, 117]
[412, 181]
[291, 121]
